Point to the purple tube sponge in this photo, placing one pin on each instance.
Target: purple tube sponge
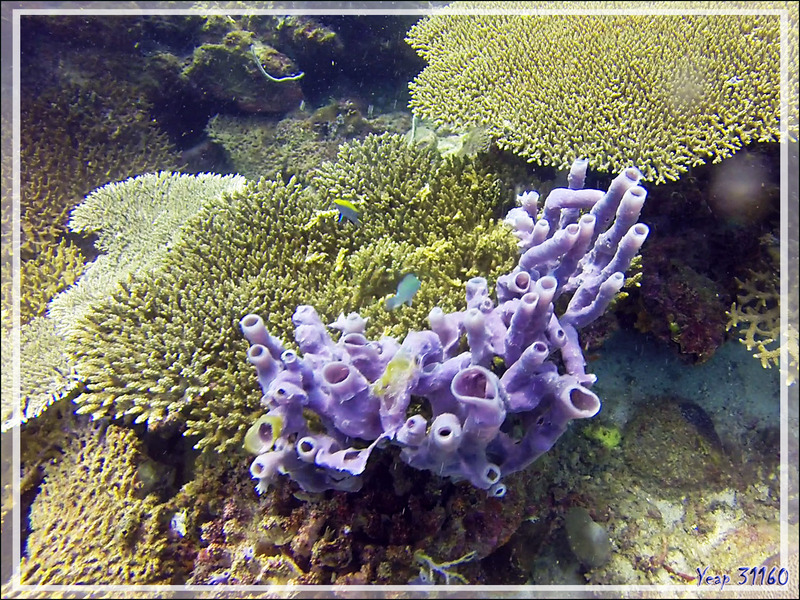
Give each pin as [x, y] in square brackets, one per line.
[495, 407]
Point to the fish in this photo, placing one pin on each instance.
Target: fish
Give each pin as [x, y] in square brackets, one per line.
[408, 286]
[347, 210]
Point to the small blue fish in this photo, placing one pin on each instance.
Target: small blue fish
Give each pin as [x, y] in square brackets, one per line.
[408, 286]
[347, 210]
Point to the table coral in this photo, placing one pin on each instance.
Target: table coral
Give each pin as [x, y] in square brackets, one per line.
[665, 92]
[165, 347]
[47, 372]
[93, 521]
[136, 221]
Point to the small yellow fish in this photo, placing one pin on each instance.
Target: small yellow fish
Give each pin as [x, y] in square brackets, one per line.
[347, 210]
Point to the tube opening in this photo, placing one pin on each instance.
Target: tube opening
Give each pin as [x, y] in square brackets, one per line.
[498, 490]
[583, 400]
[355, 339]
[492, 473]
[265, 432]
[250, 320]
[335, 372]
[256, 351]
[548, 282]
[473, 382]
[413, 424]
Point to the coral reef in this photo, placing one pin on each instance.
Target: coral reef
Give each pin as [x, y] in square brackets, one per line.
[135, 221]
[47, 372]
[662, 522]
[689, 269]
[54, 268]
[672, 473]
[292, 147]
[165, 346]
[159, 341]
[680, 305]
[485, 422]
[111, 531]
[665, 92]
[287, 536]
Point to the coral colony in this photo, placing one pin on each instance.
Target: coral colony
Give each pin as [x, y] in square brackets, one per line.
[494, 408]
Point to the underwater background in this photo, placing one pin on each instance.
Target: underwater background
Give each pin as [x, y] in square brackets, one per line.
[178, 172]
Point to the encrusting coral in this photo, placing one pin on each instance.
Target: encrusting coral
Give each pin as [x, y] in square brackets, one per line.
[166, 347]
[666, 92]
[94, 520]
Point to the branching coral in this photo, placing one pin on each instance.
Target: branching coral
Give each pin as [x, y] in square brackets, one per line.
[136, 221]
[47, 372]
[54, 269]
[757, 316]
[665, 92]
[75, 140]
[423, 214]
[165, 347]
[93, 521]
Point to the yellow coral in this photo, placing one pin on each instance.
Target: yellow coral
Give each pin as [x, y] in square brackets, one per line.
[757, 315]
[47, 371]
[73, 140]
[662, 93]
[53, 269]
[93, 522]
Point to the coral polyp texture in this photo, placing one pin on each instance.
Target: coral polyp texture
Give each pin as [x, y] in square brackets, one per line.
[136, 221]
[95, 520]
[75, 139]
[661, 92]
[477, 414]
